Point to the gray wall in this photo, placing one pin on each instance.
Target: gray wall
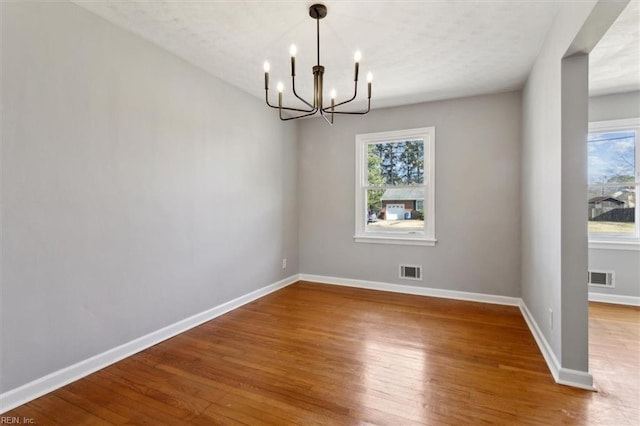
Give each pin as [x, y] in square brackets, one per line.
[574, 295]
[135, 192]
[477, 197]
[614, 107]
[625, 263]
[545, 259]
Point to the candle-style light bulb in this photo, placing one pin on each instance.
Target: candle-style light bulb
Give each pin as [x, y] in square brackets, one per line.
[293, 50]
[267, 67]
[357, 56]
[332, 95]
[280, 88]
[369, 77]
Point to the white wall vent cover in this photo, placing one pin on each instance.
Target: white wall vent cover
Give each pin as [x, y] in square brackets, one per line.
[411, 272]
[601, 279]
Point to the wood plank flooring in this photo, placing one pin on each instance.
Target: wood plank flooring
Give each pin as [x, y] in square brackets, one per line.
[314, 354]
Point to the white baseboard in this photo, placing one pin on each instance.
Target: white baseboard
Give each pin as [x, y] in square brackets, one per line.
[576, 378]
[545, 348]
[614, 298]
[30, 391]
[410, 289]
[563, 376]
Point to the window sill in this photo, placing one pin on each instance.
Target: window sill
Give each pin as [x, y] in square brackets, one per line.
[397, 240]
[614, 245]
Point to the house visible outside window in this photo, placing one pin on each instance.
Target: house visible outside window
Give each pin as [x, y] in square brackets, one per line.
[614, 182]
[395, 191]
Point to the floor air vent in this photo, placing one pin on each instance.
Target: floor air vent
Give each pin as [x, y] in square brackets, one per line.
[411, 272]
[601, 278]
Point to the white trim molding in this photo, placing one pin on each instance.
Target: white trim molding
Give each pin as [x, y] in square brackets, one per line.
[614, 298]
[424, 237]
[415, 290]
[576, 379]
[619, 241]
[614, 245]
[563, 376]
[395, 240]
[30, 391]
[618, 124]
[545, 348]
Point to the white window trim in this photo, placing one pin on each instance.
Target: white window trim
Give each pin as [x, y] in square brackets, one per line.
[599, 244]
[427, 238]
[609, 241]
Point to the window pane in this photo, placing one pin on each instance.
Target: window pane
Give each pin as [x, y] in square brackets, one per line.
[395, 210]
[612, 157]
[396, 163]
[612, 210]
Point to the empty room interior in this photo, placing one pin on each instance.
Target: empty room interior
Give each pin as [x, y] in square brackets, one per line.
[327, 213]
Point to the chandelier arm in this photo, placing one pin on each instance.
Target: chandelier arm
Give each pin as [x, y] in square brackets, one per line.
[287, 108]
[325, 117]
[266, 98]
[315, 110]
[350, 112]
[293, 85]
[355, 93]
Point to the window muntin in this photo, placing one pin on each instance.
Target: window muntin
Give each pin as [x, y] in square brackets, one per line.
[614, 181]
[394, 187]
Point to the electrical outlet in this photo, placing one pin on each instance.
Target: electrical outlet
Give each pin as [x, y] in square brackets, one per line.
[551, 318]
[284, 263]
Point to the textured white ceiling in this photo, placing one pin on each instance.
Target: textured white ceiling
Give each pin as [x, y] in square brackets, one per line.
[417, 50]
[614, 64]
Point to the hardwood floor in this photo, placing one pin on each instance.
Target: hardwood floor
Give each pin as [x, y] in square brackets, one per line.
[315, 354]
[614, 358]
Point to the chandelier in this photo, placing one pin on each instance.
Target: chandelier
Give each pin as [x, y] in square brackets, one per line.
[317, 12]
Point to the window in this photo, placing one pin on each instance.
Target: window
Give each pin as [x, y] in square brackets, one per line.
[614, 181]
[395, 187]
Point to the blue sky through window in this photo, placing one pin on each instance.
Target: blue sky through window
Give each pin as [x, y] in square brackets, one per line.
[612, 157]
